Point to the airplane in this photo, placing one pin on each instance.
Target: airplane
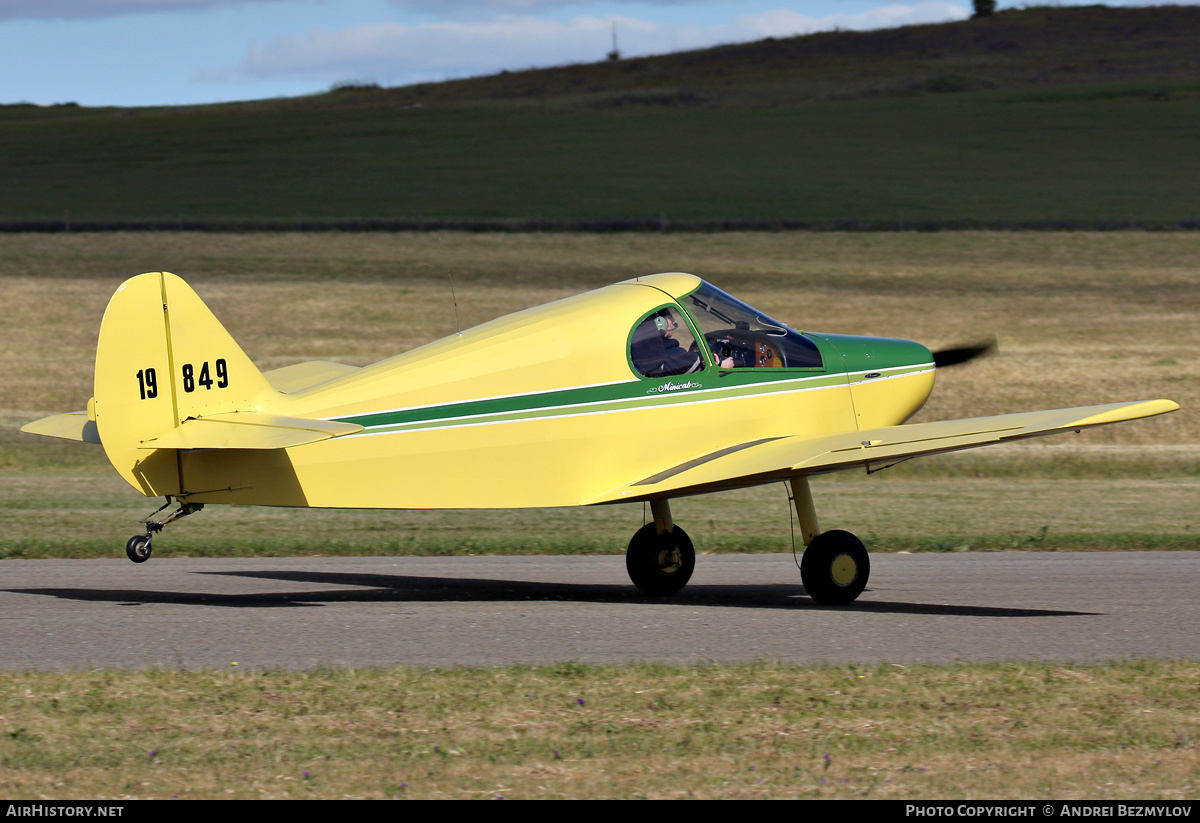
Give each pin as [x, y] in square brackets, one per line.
[646, 390]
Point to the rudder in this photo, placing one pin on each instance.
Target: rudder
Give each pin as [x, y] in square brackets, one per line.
[162, 358]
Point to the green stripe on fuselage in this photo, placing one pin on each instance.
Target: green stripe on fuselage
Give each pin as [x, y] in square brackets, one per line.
[706, 386]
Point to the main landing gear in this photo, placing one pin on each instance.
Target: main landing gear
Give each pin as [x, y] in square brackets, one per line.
[140, 546]
[660, 558]
[835, 566]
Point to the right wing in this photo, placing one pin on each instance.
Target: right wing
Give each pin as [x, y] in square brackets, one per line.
[778, 458]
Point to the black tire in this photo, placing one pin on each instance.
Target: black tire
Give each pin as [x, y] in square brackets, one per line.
[660, 565]
[835, 568]
[138, 548]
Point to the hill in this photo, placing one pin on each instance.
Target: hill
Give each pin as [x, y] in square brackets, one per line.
[1032, 49]
[1050, 116]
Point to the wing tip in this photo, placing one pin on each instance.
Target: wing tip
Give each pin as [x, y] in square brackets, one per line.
[1135, 410]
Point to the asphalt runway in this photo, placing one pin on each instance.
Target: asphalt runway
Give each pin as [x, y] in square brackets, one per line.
[483, 611]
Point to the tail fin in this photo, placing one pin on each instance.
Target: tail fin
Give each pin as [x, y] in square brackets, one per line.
[161, 359]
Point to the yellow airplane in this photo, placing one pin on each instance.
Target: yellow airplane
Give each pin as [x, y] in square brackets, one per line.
[647, 390]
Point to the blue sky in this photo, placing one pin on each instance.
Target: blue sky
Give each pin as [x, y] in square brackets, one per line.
[152, 52]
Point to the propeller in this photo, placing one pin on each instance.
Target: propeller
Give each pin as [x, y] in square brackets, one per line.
[964, 353]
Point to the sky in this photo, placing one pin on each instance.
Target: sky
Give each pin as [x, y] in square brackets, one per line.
[175, 52]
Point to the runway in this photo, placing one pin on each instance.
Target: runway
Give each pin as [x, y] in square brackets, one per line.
[485, 611]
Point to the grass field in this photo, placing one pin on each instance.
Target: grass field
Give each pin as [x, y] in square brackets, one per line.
[986, 156]
[1001, 731]
[1081, 318]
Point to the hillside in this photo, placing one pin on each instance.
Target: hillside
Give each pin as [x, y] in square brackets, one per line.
[1047, 117]
[1156, 48]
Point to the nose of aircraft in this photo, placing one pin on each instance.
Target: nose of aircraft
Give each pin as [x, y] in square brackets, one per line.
[889, 379]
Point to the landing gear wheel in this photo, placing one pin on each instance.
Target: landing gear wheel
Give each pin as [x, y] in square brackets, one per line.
[835, 568]
[660, 565]
[138, 548]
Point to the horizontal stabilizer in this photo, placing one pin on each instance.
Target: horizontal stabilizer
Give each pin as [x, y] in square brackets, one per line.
[248, 430]
[71, 426]
[778, 458]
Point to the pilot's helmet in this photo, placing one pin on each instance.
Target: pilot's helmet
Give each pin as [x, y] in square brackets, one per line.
[663, 320]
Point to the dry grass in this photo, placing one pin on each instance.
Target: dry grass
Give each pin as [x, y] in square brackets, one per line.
[55, 513]
[1081, 318]
[1011, 731]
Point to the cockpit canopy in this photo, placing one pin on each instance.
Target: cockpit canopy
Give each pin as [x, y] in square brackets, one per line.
[737, 335]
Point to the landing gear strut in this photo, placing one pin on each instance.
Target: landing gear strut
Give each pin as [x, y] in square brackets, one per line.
[835, 567]
[660, 558]
[140, 546]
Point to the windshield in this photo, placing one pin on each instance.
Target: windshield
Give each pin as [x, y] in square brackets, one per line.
[738, 332]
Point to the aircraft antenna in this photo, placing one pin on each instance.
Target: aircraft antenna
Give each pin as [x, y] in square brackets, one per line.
[454, 299]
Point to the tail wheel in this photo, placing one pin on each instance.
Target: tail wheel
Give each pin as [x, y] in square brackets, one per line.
[138, 548]
[835, 568]
[660, 565]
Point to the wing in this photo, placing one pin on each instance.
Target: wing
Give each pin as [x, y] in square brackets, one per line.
[778, 458]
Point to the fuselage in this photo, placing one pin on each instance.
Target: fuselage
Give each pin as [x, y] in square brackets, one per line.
[550, 406]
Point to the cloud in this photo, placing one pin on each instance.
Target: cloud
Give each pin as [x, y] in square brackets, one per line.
[443, 9]
[76, 9]
[491, 8]
[392, 53]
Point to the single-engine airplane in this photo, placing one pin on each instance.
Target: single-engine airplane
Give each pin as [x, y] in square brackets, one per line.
[646, 390]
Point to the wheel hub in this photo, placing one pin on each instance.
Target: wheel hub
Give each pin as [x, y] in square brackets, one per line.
[669, 560]
[660, 564]
[843, 570]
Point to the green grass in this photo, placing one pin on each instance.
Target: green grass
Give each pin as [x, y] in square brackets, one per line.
[979, 157]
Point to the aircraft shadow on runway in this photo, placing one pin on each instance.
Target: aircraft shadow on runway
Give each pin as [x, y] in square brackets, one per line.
[398, 588]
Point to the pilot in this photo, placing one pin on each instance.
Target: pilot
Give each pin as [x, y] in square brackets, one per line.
[656, 352]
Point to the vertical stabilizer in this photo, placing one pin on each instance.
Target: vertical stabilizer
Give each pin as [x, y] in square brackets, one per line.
[161, 359]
